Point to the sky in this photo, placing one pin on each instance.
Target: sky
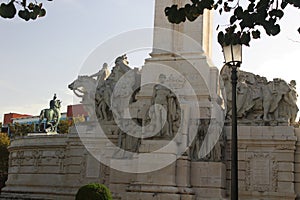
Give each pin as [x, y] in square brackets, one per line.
[39, 58]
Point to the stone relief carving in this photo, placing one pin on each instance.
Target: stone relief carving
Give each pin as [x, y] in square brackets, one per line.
[36, 156]
[19, 158]
[60, 154]
[175, 81]
[261, 173]
[259, 101]
[216, 153]
[83, 164]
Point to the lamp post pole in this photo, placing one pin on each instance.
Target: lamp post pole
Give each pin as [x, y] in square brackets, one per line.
[234, 152]
[233, 58]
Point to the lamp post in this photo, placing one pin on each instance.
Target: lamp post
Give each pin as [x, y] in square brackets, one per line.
[233, 58]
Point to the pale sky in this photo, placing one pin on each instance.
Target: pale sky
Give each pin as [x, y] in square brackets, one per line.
[40, 58]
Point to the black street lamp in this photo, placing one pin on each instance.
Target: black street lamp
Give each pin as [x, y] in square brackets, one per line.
[233, 58]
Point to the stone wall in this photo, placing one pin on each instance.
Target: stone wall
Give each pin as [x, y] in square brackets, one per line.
[266, 162]
[54, 167]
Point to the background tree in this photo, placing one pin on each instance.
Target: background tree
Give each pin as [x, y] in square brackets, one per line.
[26, 10]
[64, 125]
[4, 142]
[18, 129]
[246, 20]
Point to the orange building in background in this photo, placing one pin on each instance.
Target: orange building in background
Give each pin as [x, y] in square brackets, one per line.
[8, 118]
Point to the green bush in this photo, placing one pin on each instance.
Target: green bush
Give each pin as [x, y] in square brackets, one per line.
[93, 191]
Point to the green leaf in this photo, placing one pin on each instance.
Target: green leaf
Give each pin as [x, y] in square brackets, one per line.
[283, 4]
[221, 38]
[216, 6]
[191, 12]
[251, 7]
[238, 12]
[232, 19]
[30, 6]
[256, 34]
[36, 9]
[42, 12]
[8, 11]
[220, 11]
[279, 14]
[33, 15]
[245, 38]
[24, 14]
[276, 13]
[275, 29]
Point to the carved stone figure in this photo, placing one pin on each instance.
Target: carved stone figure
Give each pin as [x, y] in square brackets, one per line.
[85, 88]
[52, 115]
[244, 97]
[273, 93]
[101, 107]
[196, 145]
[165, 107]
[291, 100]
[102, 75]
[261, 101]
[122, 94]
[225, 74]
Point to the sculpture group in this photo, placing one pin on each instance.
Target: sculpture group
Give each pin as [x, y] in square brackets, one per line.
[260, 101]
[108, 98]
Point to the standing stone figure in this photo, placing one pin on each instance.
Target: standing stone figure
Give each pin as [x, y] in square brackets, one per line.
[292, 100]
[196, 145]
[165, 108]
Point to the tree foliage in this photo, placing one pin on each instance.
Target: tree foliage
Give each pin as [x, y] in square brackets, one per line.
[4, 154]
[26, 10]
[18, 129]
[246, 17]
[64, 125]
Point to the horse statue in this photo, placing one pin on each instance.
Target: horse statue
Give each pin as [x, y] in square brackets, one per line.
[52, 116]
[85, 87]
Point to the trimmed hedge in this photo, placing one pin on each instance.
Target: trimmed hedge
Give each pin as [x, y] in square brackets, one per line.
[93, 191]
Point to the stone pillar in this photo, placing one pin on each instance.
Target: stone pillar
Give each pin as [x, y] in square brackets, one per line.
[172, 41]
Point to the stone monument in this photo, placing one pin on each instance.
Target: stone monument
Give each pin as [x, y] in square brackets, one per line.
[158, 132]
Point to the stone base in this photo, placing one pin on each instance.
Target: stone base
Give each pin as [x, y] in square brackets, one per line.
[155, 195]
[266, 162]
[39, 134]
[208, 180]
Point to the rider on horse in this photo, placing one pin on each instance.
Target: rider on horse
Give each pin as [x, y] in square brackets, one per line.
[52, 115]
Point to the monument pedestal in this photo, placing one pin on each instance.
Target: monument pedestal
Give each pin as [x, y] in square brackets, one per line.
[208, 180]
[266, 162]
